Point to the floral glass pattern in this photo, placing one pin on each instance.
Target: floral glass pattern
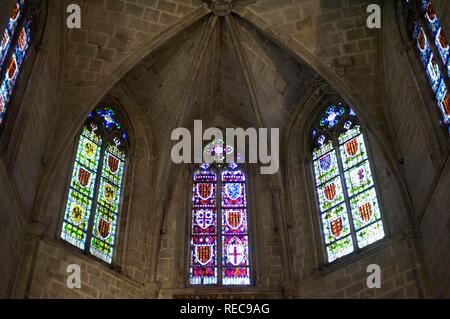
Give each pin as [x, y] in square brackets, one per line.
[96, 186]
[346, 195]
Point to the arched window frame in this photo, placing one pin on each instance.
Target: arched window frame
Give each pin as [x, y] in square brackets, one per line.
[346, 122]
[433, 54]
[19, 34]
[107, 129]
[217, 168]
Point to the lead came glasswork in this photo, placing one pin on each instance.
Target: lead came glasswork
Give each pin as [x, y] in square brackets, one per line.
[203, 270]
[326, 167]
[235, 248]
[350, 219]
[13, 67]
[79, 202]
[105, 222]
[10, 30]
[219, 245]
[100, 139]
[430, 22]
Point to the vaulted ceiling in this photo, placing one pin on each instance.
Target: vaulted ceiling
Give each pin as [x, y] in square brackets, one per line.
[223, 71]
[238, 59]
[228, 62]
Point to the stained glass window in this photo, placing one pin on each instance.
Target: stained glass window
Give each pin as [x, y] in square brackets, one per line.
[14, 46]
[347, 199]
[432, 46]
[96, 186]
[219, 243]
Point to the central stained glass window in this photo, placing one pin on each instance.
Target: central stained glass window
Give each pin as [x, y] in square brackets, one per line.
[219, 233]
[92, 209]
[346, 195]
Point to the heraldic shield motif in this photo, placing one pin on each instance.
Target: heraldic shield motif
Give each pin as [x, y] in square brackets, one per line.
[77, 214]
[22, 41]
[365, 212]
[204, 218]
[109, 193]
[204, 253]
[235, 252]
[352, 147]
[104, 228]
[12, 69]
[233, 190]
[204, 190]
[421, 40]
[336, 227]
[84, 177]
[325, 162]
[233, 218]
[330, 192]
[113, 164]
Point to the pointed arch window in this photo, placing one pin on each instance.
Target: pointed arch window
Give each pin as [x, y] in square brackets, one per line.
[434, 52]
[219, 251]
[96, 186]
[14, 47]
[347, 198]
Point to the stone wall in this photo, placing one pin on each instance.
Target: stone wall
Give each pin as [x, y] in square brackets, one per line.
[24, 154]
[168, 61]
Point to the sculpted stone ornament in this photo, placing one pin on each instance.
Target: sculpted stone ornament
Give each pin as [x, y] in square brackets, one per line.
[221, 8]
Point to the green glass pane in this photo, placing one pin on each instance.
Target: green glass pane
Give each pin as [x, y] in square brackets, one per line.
[77, 215]
[370, 234]
[340, 249]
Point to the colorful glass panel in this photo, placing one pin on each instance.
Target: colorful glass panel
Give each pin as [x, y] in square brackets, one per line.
[326, 167]
[108, 204]
[359, 179]
[330, 194]
[432, 69]
[370, 234]
[203, 270]
[350, 214]
[235, 247]
[98, 171]
[323, 149]
[218, 151]
[335, 224]
[340, 249]
[332, 116]
[9, 32]
[13, 67]
[365, 209]
[353, 152]
[79, 202]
